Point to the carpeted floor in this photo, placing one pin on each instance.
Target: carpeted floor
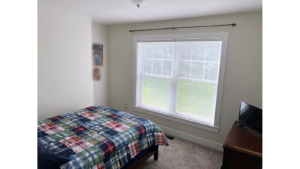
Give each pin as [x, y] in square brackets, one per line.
[185, 155]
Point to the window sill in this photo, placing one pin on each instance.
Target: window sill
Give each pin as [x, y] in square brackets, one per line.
[183, 120]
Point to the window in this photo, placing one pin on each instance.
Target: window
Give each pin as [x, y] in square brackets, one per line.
[181, 76]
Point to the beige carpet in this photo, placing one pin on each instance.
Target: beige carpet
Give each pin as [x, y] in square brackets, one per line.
[185, 155]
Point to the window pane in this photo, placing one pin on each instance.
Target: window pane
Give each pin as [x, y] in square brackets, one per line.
[158, 51]
[167, 67]
[196, 98]
[199, 51]
[147, 66]
[189, 50]
[147, 51]
[157, 67]
[197, 70]
[168, 51]
[184, 69]
[156, 92]
[184, 51]
[211, 71]
[213, 50]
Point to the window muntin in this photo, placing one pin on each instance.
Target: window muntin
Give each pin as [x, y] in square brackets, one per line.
[158, 58]
[199, 60]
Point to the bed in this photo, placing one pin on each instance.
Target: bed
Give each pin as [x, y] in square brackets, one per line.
[97, 137]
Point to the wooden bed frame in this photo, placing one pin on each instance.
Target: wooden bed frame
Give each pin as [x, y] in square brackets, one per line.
[145, 158]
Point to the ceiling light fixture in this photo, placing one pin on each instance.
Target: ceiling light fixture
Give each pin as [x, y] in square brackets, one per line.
[138, 3]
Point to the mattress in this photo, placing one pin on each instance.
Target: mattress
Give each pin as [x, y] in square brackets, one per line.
[99, 137]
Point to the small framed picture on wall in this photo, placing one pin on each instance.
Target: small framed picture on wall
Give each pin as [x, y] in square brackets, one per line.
[98, 54]
[96, 74]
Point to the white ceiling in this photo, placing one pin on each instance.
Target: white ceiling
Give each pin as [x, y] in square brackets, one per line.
[112, 12]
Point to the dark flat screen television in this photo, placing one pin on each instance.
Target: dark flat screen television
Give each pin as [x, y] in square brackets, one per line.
[251, 116]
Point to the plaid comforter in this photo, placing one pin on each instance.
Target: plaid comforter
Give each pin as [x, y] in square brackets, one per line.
[98, 137]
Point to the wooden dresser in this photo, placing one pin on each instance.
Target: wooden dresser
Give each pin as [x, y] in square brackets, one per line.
[242, 149]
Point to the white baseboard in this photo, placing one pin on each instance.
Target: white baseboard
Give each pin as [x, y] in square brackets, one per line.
[195, 139]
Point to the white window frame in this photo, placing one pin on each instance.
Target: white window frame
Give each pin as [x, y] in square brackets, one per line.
[173, 116]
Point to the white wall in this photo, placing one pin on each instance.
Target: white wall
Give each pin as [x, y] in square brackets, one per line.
[243, 74]
[100, 35]
[64, 62]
